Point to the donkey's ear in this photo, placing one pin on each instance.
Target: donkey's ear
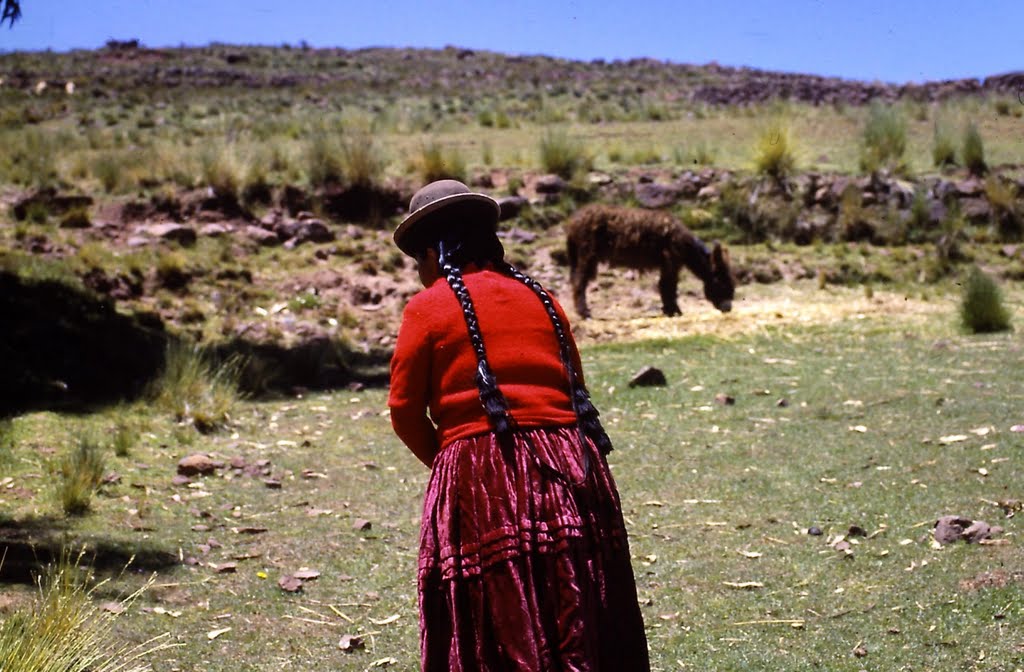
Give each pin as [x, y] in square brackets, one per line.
[718, 255]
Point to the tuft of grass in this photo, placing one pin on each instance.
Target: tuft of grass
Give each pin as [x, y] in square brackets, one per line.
[81, 470]
[884, 139]
[64, 630]
[76, 218]
[126, 436]
[943, 146]
[981, 307]
[974, 150]
[196, 389]
[773, 152]
[563, 155]
[1002, 196]
[220, 171]
[107, 168]
[362, 161]
[323, 158]
[436, 162]
[7, 442]
[701, 154]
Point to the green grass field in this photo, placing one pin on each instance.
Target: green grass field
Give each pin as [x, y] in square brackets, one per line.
[875, 412]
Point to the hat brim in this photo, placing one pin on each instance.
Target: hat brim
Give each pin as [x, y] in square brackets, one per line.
[412, 234]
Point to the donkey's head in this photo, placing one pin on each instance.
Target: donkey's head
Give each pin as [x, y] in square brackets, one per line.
[720, 285]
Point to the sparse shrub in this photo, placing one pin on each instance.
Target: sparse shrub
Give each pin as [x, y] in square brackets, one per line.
[773, 154]
[919, 219]
[126, 435]
[32, 158]
[486, 153]
[66, 630]
[515, 183]
[943, 146]
[362, 162]
[106, 167]
[323, 158]
[196, 389]
[974, 150]
[81, 471]
[1002, 196]
[37, 213]
[76, 218]
[304, 301]
[700, 154]
[220, 171]
[171, 270]
[646, 156]
[981, 307]
[437, 162]
[562, 155]
[885, 139]
[1002, 107]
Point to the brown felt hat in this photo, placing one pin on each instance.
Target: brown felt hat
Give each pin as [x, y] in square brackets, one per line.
[442, 203]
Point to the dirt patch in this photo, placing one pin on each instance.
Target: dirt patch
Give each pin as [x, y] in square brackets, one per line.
[755, 309]
[997, 579]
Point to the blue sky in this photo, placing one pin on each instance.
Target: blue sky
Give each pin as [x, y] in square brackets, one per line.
[894, 40]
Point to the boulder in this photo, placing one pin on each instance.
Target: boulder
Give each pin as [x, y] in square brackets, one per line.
[511, 206]
[709, 193]
[950, 529]
[975, 210]
[549, 184]
[198, 464]
[214, 230]
[972, 186]
[649, 376]
[178, 233]
[653, 195]
[261, 236]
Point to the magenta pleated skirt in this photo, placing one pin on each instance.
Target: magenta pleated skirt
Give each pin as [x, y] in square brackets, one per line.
[524, 564]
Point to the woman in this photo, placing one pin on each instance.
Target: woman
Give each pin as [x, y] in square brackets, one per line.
[524, 563]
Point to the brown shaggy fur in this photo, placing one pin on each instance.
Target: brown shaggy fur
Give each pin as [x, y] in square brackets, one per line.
[644, 239]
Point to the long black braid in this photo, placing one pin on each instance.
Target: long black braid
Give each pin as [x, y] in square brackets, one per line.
[586, 413]
[453, 253]
[494, 402]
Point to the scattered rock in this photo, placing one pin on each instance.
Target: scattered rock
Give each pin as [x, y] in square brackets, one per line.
[178, 233]
[261, 236]
[649, 376]
[814, 531]
[361, 524]
[653, 195]
[511, 206]
[350, 643]
[950, 529]
[550, 184]
[724, 399]
[290, 584]
[198, 464]
[214, 230]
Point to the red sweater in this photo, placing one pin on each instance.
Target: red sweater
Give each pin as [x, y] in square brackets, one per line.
[434, 366]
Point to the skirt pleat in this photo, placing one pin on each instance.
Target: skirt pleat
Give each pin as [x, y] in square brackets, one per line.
[524, 562]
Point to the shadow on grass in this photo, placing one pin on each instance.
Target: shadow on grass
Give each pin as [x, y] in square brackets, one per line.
[64, 348]
[28, 546]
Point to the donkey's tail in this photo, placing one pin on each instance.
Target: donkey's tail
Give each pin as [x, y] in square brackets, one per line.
[571, 253]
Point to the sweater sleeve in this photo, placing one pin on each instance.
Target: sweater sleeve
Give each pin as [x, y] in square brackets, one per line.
[409, 395]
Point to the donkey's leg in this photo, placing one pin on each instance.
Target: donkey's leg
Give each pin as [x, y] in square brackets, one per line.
[584, 271]
[667, 286]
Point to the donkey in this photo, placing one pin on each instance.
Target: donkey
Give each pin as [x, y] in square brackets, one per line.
[644, 239]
